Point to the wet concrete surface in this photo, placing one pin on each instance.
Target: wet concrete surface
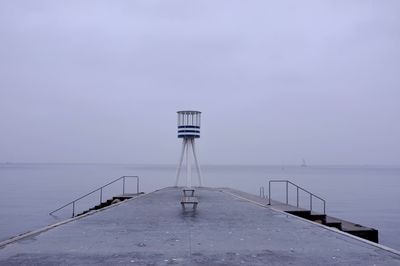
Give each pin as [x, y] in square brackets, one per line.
[225, 230]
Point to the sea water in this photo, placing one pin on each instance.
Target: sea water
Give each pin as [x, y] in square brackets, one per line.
[368, 195]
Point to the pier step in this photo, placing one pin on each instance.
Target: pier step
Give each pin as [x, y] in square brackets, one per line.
[312, 216]
[358, 230]
[318, 218]
[110, 202]
[370, 234]
[333, 222]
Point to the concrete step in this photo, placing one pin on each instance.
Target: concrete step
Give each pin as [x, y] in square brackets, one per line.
[368, 233]
[345, 226]
[333, 222]
[108, 203]
[317, 217]
[312, 216]
[301, 213]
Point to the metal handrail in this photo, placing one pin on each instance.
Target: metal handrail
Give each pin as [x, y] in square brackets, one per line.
[297, 190]
[101, 193]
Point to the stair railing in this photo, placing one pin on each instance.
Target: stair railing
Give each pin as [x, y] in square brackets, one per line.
[297, 194]
[100, 189]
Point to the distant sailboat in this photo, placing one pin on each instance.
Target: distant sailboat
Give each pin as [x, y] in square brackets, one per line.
[304, 163]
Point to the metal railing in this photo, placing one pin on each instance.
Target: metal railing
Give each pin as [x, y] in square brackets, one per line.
[297, 194]
[101, 193]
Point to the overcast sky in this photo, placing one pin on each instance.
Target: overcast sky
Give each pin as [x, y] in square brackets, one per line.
[277, 81]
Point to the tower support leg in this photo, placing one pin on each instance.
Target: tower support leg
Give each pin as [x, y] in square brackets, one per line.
[178, 169]
[196, 162]
[188, 164]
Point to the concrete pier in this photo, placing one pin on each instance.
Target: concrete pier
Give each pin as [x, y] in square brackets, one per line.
[228, 228]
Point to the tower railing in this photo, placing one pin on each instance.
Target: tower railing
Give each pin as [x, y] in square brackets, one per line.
[298, 188]
[100, 190]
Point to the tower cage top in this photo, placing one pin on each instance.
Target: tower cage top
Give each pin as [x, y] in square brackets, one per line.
[189, 124]
[188, 112]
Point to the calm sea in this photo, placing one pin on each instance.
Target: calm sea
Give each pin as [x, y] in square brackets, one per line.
[366, 195]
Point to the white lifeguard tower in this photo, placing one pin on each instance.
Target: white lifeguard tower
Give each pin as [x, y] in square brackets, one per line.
[188, 131]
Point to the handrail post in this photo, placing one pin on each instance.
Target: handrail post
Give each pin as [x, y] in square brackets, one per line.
[123, 186]
[73, 208]
[324, 208]
[269, 193]
[137, 184]
[287, 192]
[310, 202]
[297, 188]
[101, 194]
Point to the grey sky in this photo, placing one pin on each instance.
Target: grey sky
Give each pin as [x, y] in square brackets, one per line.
[277, 81]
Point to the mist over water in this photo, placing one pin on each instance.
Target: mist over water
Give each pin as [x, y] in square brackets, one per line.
[364, 195]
